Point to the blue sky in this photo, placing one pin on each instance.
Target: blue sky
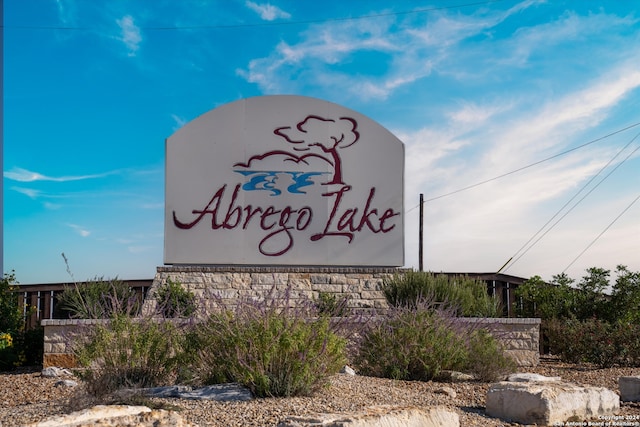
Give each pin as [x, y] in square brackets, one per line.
[475, 90]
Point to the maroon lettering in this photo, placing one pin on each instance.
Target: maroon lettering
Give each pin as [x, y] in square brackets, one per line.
[389, 213]
[233, 211]
[207, 210]
[326, 231]
[280, 223]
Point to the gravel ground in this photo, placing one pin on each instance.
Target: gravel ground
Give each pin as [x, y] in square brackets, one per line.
[27, 397]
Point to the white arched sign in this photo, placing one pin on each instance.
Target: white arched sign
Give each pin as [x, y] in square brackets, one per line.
[284, 180]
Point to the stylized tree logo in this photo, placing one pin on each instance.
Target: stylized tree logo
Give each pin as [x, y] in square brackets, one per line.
[321, 138]
[326, 134]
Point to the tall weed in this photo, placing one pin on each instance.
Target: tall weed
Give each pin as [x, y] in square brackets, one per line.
[98, 299]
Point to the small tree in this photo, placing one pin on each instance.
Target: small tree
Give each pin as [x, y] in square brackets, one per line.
[11, 319]
[554, 300]
[591, 299]
[625, 296]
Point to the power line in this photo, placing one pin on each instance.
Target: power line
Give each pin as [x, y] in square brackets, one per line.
[603, 231]
[530, 165]
[574, 206]
[263, 24]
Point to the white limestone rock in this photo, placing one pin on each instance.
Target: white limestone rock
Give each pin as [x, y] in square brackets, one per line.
[348, 370]
[54, 372]
[548, 403]
[454, 377]
[116, 415]
[447, 391]
[379, 416]
[629, 389]
[529, 377]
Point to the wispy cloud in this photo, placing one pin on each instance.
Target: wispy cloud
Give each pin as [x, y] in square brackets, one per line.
[412, 53]
[130, 34]
[82, 231]
[52, 206]
[267, 11]
[24, 175]
[66, 11]
[30, 192]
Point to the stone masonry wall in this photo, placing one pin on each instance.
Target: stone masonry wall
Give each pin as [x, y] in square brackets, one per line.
[520, 337]
[363, 286]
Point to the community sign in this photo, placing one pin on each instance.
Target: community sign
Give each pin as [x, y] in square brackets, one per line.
[284, 180]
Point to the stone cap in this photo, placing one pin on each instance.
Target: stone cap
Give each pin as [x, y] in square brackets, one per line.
[276, 269]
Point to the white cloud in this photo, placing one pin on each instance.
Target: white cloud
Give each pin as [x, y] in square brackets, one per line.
[267, 11]
[130, 34]
[413, 53]
[80, 230]
[24, 175]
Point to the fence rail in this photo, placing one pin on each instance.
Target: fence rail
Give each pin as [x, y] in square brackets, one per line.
[39, 302]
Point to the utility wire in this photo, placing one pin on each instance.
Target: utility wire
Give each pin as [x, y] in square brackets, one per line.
[600, 235]
[524, 167]
[265, 24]
[509, 264]
[530, 165]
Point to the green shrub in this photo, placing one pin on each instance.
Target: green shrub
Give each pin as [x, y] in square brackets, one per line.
[487, 360]
[270, 346]
[29, 346]
[411, 345]
[8, 355]
[331, 305]
[11, 319]
[417, 344]
[98, 299]
[468, 296]
[175, 301]
[17, 346]
[125, 352]
[594, 341]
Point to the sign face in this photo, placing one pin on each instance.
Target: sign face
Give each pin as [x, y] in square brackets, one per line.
[284, 180]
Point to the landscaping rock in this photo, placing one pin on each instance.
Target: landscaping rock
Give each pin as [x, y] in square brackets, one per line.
[66, 383]
[379, 416]
[54, 372]
[454, 377]
[629, 389]
[446, 390]
[549, 402]
[529, 377]
[231, 392]
[347, 370]
[116, 415]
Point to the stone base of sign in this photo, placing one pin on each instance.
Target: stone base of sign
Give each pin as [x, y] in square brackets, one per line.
[361, 285]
